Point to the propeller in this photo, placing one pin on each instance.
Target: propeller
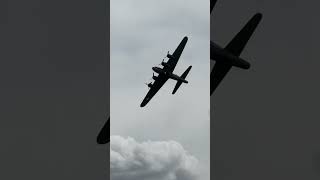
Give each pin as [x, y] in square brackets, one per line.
[166, 55]
[149, 84]
[169, 55]
[161, 62]
[151, 77]
[150, 81]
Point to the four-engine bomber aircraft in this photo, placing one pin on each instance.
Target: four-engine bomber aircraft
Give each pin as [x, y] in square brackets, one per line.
[167, 72]
[229, 56]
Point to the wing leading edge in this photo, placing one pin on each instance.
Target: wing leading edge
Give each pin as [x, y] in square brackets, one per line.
[172, 62]
[154, 89]
[238, 43]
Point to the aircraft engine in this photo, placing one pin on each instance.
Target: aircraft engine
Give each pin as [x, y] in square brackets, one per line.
[169, 56]
[154, 77]
[164, 64]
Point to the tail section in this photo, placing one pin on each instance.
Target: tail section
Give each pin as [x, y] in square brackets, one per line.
[229, 56]
[179, 82]
[238, 43]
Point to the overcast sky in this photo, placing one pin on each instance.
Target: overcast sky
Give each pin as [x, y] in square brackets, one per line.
[141, 34]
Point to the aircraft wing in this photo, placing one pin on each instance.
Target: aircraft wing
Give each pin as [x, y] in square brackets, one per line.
[218, 72]
[212, 3]
[235, 47]
[104, 134]
[172, 62]
[238, 43]
[158, 83]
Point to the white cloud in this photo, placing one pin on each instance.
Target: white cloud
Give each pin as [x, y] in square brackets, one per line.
[150, 160]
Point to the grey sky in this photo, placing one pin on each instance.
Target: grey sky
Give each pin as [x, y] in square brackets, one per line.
[141, 34]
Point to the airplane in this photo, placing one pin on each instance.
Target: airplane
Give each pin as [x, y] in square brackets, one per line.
[229, 56]
[166, 73]
[104, 134]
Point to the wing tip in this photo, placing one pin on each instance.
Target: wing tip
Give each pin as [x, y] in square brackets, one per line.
[142, 104]
[185, 38]
[258, 16]
[104, 134]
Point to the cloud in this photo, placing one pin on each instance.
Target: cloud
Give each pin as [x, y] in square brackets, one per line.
[150, 160]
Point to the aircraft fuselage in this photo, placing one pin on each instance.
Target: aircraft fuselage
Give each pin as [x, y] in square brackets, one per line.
[219, 54]
[168, 74]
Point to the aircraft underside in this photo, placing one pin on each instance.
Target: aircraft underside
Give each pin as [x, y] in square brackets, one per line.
[166, 72]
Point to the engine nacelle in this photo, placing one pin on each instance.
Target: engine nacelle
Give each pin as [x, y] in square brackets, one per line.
[150, 85]
[164, 64]
[158, 70]
[154, 77]
[170, 56]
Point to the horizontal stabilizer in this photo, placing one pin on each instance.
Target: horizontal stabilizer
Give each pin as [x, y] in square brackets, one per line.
[238, 43]
[183, 76]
